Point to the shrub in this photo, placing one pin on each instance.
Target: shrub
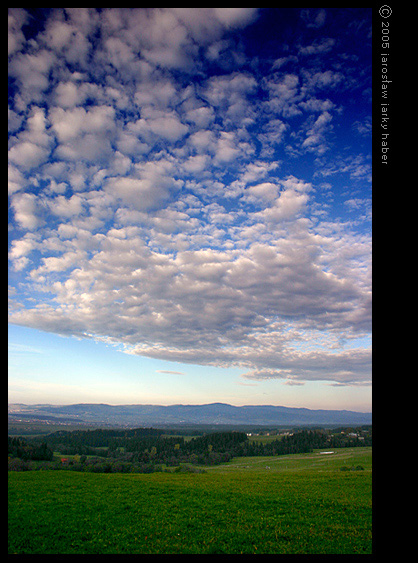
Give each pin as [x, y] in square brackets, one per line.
[17, 464]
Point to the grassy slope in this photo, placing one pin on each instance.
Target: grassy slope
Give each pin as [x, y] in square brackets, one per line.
[302, 504]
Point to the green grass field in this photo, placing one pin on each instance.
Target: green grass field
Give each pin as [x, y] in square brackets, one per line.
[298, 503]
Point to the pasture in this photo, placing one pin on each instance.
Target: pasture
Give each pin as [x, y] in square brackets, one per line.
[294, 504]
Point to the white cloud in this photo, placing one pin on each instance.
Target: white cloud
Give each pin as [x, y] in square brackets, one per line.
[28, 155]
[266, 191]
[28, 210]
[229, 89]
[202, 116]
[169, 372]
[89, 147]
[236, 17]
[22, 247]
[66, 207]
[230, 299]
[203, 140]
[166, 37]
[326, 79]
[119, 53]
[17, 17]
[322, 46]
[284, 95]
[59, 264]
[315, 137]
[163, 125]
[16, 180]
[196, 163]
[314, 17]
[289, 204]
[83, 134]
[69, 39]
[71, 123]
[32, 73]
[68, 95]
[227, 148]
[148, 191]
[152, 196]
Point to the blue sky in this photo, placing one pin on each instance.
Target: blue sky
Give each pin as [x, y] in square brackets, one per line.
[190, 206]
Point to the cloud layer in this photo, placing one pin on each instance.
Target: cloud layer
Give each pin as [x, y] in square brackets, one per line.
[149, 206]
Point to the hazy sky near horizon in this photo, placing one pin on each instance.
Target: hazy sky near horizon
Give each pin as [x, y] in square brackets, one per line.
[190, 206]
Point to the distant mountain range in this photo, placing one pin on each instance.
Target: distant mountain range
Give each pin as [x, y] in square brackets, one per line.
[210, 414]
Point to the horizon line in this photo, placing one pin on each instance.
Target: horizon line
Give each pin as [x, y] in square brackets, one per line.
[185, 405]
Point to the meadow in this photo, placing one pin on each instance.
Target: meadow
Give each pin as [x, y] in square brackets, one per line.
[291, 504]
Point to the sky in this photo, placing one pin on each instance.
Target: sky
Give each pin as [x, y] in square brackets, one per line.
[190, 206]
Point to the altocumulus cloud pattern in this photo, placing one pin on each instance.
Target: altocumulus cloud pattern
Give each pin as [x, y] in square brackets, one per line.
[194, 184]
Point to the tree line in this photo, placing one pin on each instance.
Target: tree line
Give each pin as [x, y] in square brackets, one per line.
[18, 447]
[148, 449]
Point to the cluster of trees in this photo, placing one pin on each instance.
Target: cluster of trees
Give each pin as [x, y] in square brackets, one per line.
[147, 449]
[351, 437]
[19, 447]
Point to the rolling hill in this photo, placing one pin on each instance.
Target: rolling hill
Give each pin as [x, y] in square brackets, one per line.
[213, 414]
